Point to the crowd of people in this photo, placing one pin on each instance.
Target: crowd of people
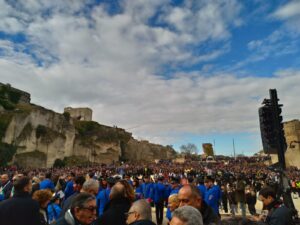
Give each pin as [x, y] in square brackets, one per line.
[125, 193]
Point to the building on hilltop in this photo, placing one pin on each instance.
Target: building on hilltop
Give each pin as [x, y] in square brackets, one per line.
[82, 114]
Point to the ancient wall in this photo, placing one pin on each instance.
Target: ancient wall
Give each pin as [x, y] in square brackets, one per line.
[41, 136]
[292, 136]
[82, 114]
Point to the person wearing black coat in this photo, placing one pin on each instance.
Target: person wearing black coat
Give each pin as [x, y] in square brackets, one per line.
[21, 209]
[6, 186]
[121, 197]
[115, 213]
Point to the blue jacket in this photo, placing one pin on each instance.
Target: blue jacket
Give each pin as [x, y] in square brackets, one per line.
[69, 189]
[138, 193]
[147, 190]
[46, 184]
[102, 199]
[212, 197]
[158, 192]
[202, 190]
[54, 211]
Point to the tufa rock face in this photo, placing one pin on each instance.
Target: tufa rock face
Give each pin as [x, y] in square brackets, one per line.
[42, 136]
[145, 151]
[292, 137]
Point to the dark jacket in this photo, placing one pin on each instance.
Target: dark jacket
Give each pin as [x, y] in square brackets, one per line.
[208, 214]
[67, 204]
[279, 214]
[115, 212]
[143, 222]
[7, 187]
[67, 219]
[19, 210]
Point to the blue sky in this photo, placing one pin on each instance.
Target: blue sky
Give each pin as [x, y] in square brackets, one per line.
[171, 72]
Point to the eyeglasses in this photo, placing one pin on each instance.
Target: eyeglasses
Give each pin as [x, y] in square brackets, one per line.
[90, 208]
[185, 201]
[128, 213]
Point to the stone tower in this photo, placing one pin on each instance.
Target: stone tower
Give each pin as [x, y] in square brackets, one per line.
[83, 114]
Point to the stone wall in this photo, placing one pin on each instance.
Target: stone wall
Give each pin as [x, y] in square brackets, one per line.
[82, 114]
[146, 151]
[292, 136]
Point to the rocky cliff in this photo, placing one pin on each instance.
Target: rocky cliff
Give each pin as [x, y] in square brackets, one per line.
[37, 137]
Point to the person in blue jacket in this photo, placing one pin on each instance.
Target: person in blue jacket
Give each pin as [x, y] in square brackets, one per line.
[147, 189]
[69, 190]
[47, 183]
[54, 209]
[158, 198]
[201, 186]
[175, 187]
[137, 189]
[102, 197]
[212, 194]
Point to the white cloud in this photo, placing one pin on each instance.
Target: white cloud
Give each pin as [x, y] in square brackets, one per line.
[110, 63]
[289, 10]
[290, 13]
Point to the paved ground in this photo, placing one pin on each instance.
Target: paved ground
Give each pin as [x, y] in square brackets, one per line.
[258, 208]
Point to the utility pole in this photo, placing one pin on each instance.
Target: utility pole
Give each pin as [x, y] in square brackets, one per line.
[233, 148]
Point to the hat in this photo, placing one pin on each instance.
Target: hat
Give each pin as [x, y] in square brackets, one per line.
[175, 180]
[209, 178]
[111, 180]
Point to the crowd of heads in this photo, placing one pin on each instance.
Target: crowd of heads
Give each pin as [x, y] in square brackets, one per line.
[185, 205]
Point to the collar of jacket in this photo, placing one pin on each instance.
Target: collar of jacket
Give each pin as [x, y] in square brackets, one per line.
[22, 194]
[275, 204]
[143, 222]
[71, 220]
[118, 201]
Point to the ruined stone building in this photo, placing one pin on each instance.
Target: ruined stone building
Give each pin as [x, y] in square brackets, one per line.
[292, 136]
[82, 114]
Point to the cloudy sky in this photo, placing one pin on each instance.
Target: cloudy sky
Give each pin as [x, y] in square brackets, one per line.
[169, 71]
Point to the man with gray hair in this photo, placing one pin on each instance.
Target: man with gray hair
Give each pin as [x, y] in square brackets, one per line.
[83, 211]
[186, 215]
[90, 186]
[140, 213]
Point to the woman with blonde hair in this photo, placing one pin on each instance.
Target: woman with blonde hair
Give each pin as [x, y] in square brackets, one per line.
[43, 197]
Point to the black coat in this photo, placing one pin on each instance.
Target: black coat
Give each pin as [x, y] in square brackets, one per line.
[19, 210]
[143, 222]
[279, 214]
[115, 213]
[208, 214]
[7, 189]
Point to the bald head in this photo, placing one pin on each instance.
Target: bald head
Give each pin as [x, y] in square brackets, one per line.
[190, 195]
[117, 191]
[4, 178]
[140, 210]
[143, 208]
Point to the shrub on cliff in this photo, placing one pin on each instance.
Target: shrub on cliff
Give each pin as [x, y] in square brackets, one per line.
[7, 152]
